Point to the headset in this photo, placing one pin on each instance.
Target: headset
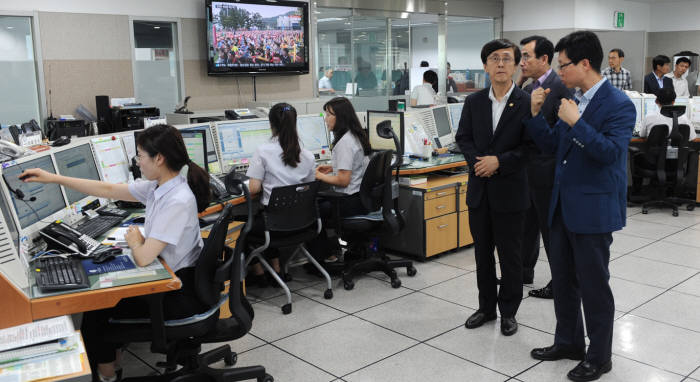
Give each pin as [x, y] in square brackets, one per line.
[18, 193]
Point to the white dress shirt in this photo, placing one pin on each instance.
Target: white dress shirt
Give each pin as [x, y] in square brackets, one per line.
[680, 85]
[423, 94]
[497, 107]
[658, 119]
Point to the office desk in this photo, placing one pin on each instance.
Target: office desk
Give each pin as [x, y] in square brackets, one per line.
[418, 166]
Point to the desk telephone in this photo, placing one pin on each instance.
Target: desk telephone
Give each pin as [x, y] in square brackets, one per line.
[63, 236]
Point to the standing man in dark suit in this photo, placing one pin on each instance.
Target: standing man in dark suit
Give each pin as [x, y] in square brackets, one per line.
[588, 202]
[535, 64]
[494, 142]
[657, 78]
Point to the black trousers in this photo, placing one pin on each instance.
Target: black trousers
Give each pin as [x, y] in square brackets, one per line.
[580, 274]
[323, 246]
[535, 224]
[181, 303]
[504, 231]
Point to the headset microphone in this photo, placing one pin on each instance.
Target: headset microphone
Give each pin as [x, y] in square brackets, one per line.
[18, 193]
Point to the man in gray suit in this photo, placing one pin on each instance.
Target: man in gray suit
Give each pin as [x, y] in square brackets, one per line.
[535, 65]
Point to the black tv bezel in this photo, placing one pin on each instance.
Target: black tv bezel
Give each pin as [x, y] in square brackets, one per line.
[248, 71]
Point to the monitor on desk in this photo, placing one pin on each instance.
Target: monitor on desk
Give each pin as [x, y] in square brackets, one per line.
[455, 115]
[111, 159]
[312, 133]
[10, 264]
[129, 142]
[196, 146]
[37, 204]
[444, 134]
[213, 164]
[638, 106]
[238, 140]
[650, 106]
[374, 118]
[76, 162]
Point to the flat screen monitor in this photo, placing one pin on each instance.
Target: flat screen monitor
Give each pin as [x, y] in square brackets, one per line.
[455, 115]
[442, 126]
[111, 159]
[638, 109]
[238, 141]
[212, 158]
[650, 106]
[76, 162]
[374, 118]
[48, 199]
[129, 142]
[254, 36]
[196, 145]
[312, 132]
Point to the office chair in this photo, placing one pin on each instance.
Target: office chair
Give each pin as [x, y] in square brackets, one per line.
[682, 190]
[181, 339]
[649, 162]
[364, 252]
[291, 219]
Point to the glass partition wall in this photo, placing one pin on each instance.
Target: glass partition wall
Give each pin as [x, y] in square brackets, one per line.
[382, 55]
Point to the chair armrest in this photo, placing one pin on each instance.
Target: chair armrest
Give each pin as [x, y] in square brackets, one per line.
[331, 195]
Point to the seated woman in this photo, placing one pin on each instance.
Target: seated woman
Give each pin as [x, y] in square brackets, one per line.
[424, 94]
[169, 197]
[279, 162]
[349, 160]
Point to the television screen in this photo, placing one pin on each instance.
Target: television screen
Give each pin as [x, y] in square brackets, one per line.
[256, 36]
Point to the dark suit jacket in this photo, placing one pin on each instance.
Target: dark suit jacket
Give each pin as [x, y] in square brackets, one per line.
[651, 86]
[590, 179]
[540, 170]
[507, 189]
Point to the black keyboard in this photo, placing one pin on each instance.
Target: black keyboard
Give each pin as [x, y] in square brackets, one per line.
[57, 273]
[97, 226]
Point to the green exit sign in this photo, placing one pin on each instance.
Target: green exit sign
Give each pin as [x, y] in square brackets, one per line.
[619, 19]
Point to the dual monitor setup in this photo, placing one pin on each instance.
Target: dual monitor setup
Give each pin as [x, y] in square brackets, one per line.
[646, 105]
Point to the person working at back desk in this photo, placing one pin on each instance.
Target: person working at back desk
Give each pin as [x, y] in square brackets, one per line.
[279, 162]
[349, 160]
[171, 231]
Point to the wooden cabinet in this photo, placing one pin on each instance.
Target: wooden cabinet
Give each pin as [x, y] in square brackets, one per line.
[440, 206]
[441, 234]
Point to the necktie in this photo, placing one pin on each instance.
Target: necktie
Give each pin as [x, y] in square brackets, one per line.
[535, 84]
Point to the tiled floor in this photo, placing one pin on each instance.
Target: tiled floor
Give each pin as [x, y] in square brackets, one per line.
[416, 332]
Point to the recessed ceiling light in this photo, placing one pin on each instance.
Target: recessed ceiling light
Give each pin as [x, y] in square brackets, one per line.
[10, 27]
[156, 27]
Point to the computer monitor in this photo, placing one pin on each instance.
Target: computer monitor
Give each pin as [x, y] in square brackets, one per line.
[196, 145]
[638, 104]
[111, 159]
[650, 106]
[76, 162]
[12, 265]
[374, 118]
[312, 133]
[213, 163]
[442, 127]
[238, 140]
[40, 203]
[455, 115]
[129, 142]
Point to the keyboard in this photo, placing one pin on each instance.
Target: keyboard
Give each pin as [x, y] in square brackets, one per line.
[97, 226]
[57, 273]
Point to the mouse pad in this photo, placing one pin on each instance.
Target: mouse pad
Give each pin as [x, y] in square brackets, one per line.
[119, 263]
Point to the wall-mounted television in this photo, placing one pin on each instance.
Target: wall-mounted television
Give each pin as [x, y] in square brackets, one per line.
[250, 37]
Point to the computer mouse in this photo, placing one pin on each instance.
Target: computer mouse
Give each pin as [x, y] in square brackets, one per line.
[61, 141]
[23, 177]
[106, 255]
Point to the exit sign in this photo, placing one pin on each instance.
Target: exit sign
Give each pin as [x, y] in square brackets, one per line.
[619, 21]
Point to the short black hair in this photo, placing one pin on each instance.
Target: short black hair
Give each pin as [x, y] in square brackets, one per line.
[619, 52]
[542, 46]
[431, 77]
[424, 64]
[660, 60]
[581, 45]
[683, 59]
[497, 44]
[665, 96]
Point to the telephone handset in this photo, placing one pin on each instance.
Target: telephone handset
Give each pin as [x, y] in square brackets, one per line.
[218, 189]
[66, 238]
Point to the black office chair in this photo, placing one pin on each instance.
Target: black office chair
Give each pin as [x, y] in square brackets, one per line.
[291, 219]
[649, 162]
[364, 251]
[683, 189]
[181, 339]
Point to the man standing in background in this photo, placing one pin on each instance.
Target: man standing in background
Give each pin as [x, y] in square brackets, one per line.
[656, 79]
[618, 76]
[680, 84]
[535, 64]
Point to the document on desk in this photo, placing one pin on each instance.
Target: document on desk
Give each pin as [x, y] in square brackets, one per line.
[67, 360]
[36, 332]
[117, 236]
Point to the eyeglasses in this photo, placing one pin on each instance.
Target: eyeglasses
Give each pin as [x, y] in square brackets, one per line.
[562, 66]
[505, 59]
[527, 57]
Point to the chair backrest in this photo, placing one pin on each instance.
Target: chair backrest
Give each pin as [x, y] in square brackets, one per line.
[211, 259]
[292, 208]
[376, 175]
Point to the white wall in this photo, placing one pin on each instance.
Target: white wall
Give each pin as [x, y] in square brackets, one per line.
[464, 42]
[675, 16]
[537, 14]
[599, 14]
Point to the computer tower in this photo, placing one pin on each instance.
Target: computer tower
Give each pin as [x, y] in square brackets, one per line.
[104, 114]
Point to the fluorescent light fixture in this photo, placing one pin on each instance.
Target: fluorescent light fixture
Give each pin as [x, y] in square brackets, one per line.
[156, 27]
[330, 19]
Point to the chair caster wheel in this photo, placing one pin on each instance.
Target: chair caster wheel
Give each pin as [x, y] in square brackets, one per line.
[690, 207]
[411, 270]
[395, 283]
[348, 285]
[328, 294]
[266, 378]
[645, 211]
[674, 213]
[231, 359]
[392, 274]
[287, 308]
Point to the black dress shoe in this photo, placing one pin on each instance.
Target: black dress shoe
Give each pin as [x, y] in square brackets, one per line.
[509, 326]
[479, 318]
[557, 352]
[545, 292]
[586, 371]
